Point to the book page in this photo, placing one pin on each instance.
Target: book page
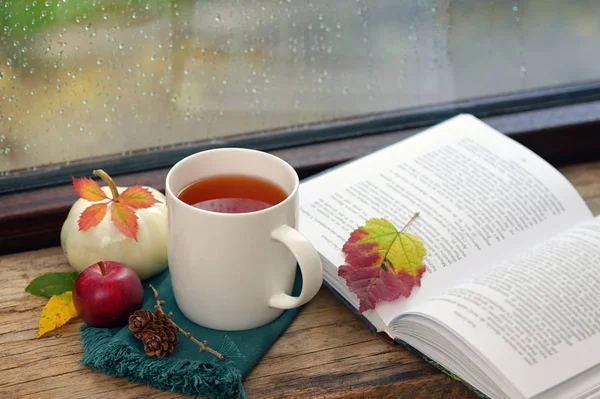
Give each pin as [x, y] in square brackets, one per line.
[481, 196]
[536, 319]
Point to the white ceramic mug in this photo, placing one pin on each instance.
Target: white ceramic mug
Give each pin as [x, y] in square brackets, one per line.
[235, 271]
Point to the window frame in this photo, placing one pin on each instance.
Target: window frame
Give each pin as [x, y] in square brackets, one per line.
[291, 137]
[559, 125]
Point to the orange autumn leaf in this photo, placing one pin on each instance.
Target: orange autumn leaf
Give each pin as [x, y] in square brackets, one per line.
[123, 205]
[92, 216]
[88, 189]
[58, 311]
[137, 197]
[124, 219]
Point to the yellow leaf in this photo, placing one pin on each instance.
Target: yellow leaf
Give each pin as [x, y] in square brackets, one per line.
[58, 311]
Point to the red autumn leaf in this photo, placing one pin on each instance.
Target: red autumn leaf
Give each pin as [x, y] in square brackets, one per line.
[88, 189]
[137, 197]
[92, 216]
[382, 263]
[124, 219]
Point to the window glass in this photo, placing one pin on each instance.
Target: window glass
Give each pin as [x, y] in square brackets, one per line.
[90, 78]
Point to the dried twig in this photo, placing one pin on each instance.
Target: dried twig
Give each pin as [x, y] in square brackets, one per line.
[203, 345]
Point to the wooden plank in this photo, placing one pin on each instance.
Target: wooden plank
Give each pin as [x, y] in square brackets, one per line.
[327, 352]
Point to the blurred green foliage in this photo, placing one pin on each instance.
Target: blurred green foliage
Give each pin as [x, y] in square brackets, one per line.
[23, 18]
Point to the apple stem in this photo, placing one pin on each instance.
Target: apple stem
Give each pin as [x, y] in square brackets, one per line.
[109, 182]
[102, 268]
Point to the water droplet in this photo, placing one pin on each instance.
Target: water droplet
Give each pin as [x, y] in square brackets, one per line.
[10, 117]
[84, 102]
[523, 70]
[7, 150]
[81, 128]
[1, 75]
[433, 10]
[515, 8]
[2, 138]
[218, 18]
[78, 19]
[100, 61]
[48, 3]
[26, 147]
[105, 16]
[121, 45]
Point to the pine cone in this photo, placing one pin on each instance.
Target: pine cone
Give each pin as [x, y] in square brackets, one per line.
[139, 320]
[159, 337]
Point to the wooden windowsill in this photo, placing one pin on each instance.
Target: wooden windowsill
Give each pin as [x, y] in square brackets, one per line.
[562, 135]
[327, 351]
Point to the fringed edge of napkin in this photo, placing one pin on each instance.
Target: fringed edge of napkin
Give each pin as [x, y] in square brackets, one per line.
[217, 380]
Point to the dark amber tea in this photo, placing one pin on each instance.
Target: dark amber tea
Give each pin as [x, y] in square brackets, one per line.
[232, 194]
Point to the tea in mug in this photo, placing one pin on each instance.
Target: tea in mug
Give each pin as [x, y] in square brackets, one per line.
[232, 194]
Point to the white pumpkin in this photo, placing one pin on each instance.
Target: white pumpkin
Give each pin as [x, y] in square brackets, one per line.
[147, 256]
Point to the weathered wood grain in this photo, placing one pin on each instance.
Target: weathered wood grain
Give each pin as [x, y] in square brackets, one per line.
[327, 352]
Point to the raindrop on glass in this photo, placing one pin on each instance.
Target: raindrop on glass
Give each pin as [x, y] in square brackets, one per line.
[523, 70]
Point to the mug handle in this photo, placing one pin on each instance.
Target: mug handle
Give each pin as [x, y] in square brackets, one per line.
[310, 266]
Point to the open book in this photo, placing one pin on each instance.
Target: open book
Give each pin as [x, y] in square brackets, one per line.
[510, 301]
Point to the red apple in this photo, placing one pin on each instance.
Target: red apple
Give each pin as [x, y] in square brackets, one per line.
[107, 293]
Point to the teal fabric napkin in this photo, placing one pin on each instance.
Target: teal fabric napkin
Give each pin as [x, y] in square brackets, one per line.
[118, 353]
